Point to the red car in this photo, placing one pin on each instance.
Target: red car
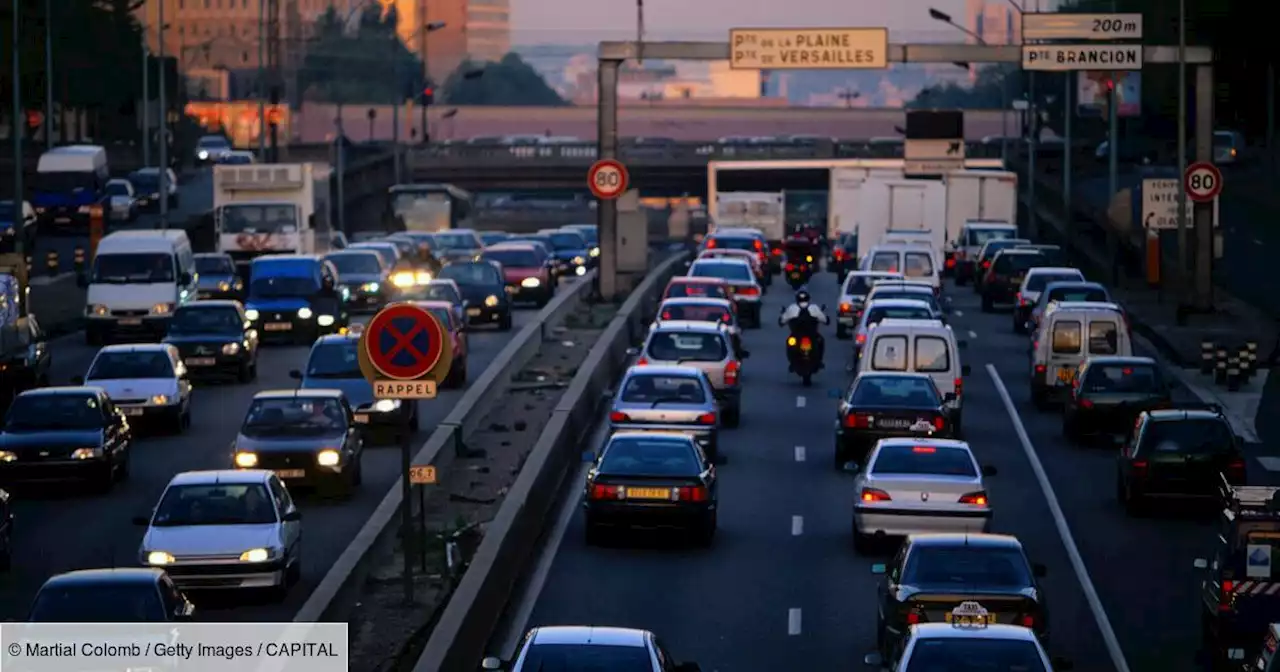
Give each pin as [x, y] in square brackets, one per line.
[448, 317]
[526, 270]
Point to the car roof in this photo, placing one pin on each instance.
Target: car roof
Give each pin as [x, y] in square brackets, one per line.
[733, 233]
[688, 325]
[59, 390]
[875, 274]
[900, 247]
[940, 443]
[1061, 270]
[434, 303]
[299, 394]
[135, 347]
[221, 477]
[677, 371]
[210, 303]
[513, 245]
[892, 286]
[336, 338]
[993, 631]
[1171, 414]
[211, 255]
[721, 260]
[1120, 359]
[84, 577]
[945, 539]
[898, 303]
[589, 634]
[660, 436]
[911, 324]
[684, 279]
[990, 224]
[697, 300]
[1064, 306]
[355, 249]
[893, 374]
[443, 281]
[371, 244]
[1076, 284]
[1018, 251]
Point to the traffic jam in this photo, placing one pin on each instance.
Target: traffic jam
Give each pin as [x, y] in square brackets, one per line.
[259, 356]
[910, 495]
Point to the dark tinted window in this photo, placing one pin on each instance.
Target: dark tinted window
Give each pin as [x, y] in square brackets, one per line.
[334, 359]
[895, 392]
[456, 241]
[53, 411]
[215, 265]
[967, 566]
[197, 319]
[924, 460]
[117, 189]
[587, 658]
[650, 457]
[692, 289]
[294, 417]
[726, 271]
[671, 346]
[366, 263]
[1000, 244]
[860, 285]
[104, 602]
[1077, 294]
[1123, 378]
[975, 654]
[674, 389]
[1197, 436]
[432, 292]
[472, 274]
[133, 268]
[567, 240]
[389, 253]
[215, 504]
[979, 237]
[1103, 338]
[513, 258]
[123, 364]
[1017, 263]
[590, 235]
[1037, 282]
[282, 286]
[926, 296]
[877, 313]
[884, 261]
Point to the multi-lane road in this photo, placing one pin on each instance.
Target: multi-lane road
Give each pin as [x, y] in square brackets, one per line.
[782, 589]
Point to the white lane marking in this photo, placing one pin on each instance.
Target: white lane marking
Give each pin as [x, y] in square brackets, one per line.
[1270, 463]
[973, 334]
[1064, 530]
[958, 313]
[797, 525]
[793, 622]
[799, 453]
[800, 402]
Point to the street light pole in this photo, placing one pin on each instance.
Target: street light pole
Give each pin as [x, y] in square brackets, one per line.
[262, 78]
[48, 73]
[15, 130]
[146, 103]
[163, 167]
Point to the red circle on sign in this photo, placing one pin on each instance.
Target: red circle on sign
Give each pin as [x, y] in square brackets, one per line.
[383, 354]
[613, 175]
[1203, 181]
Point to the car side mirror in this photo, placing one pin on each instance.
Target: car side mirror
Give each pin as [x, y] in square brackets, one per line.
[1038, 570]
[1200, 563]
[293, 516]
[491, 663]
[878, 568]
[141, 521]
[185, 279]
[873, 660]
[949, 397]
[77, 380]
[295, 374]
[82, 280]
[633, 352]
[1061, 664]
[989, 470]
[962, 344]
[965, 369]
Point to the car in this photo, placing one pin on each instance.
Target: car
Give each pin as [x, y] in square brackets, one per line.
[717, 311]
[1033, 283]
[892, 290]
[592, 647]
[1108, 393]
[885, 405]
[334, 364]
[968, 634]
[237, 158]
[444, 312]
[668, 399]
[364, 277]
[70, 434]
[216, 277]
[484, 292]
[215, 337]
[224, 530]
[146, 187]
[570, 249]
[493, 237]
[308, 437]
[843, 256]
[1001, 280]
[913, 486]
[122, 204]
[963, 252]
[744, 290]
[1065, 291]
[294, 298]
[457, 245]
[853, 293]
[410, 270]
[1070, 333]
[389, 252]
[115, 595]
[763, 276]
[743, 241]
[146, 381]
[932, 574]
[211, 148]
[1183, 452]
[880, 309]
[986, 253]
[685, 286]
[440, 290]
[526, 271]
[654, 481]
[707, 347]
[28, 361]
[590, 233]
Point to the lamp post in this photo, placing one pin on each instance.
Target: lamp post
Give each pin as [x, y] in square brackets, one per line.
[48, 73]
[15, 129]
[1004, 88]
[163, 168]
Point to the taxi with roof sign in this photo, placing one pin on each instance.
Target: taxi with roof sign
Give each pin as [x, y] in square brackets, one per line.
[969, 634]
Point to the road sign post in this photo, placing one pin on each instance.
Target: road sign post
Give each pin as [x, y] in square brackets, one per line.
[607, 179]
[1203, 181]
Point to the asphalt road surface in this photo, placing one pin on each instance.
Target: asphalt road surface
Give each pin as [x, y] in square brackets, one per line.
[64, 530]
[782, 589]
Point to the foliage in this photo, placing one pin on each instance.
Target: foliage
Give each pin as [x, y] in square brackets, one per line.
[510, 81]
[371, 65]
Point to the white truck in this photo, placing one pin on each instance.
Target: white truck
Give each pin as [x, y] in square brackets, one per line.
[846, 203]
[270, 209]
[762, 210]
[988, 195]
[888, 204]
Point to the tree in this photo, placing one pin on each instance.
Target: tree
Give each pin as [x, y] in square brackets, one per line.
[510, 81]
[370, 66]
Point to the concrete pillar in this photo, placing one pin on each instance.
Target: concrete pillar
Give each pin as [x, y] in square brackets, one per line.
[607, 210]
[1204, 211]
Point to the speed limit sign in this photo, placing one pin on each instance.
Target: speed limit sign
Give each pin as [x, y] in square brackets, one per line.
[607, 179]
[1203, 181]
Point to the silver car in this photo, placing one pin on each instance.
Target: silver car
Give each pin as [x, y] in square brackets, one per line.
[122, 202]
[706, 347]
[857, 285]
[743, 287]
[917, 485]
[582, 647]
[668, 399]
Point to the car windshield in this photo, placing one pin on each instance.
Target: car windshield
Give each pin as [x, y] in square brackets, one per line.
[293, 417]
[124, 365]
[456, 241]
[672, 346]
[860, 285]
[215, 504]
[631, 456]
[483, 274]
[148, 182]
[248, 218]
[1000, 244]
[979, 237]
[1017, 263]
[691, 289]
[356, 263]
[733, 243]
[196, 319]
[117, 189]
[282, 286]
[30, 412]
[1038, 281]
[1192, 436]
[895, 392]
[695, 312]
[987, 566]
[589, 234]
[1123, 379]
[387, 252]
[654, 389]
[925, 297]
[1077, 294]
[513, 258]
[212, 142]
[130, 268]
[940, 460]
[724, 271]
[586, 658]
[215, 266]
[335, 359]
[878, 313]
[64, 182]
[567, 240]
[103, 601]
[432, 292]
[975, 654]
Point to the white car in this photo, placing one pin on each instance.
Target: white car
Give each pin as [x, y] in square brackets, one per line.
[929, 644]
[146, 381]
[228, 529]
[900, 309]
[211, 148]
[122, 202]
[853, 294]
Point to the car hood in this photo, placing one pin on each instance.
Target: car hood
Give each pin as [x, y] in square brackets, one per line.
[357, 390]
[210, 539]
[211, 281]
[137, 388]
[131, 296]
[517, 274]
[361, 278]
[287, 444]
[52, 438]
[277, 303]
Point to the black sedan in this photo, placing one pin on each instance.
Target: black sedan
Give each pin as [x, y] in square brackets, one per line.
[120, 595]
[1184, 452]
[935, 573]
[886, 405]
[1108, 393]
[1008, 270]
[216, 277]
[70, 434]
[483, 290]
[29, 364]
[646, 480]
[215, 338]
[308, 437]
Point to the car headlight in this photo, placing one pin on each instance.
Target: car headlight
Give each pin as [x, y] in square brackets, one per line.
[162, 309]
[252, 314]
[304, 313]
[86, 453]
[386, 405]
[8, 456]
[255, 555]
[579, 261]
[530, 282]
[84, 210]
[325, 320]
[98, 310]
[581, 270]
[402, 279]
[422, 277]
[370, 287]
[238, 284]
[159, 558]
[328, 458]
[202, 154]
[224, 286]
[595, 252]
[491, 300]
[160, 399]
[246, 460]
[231, 348]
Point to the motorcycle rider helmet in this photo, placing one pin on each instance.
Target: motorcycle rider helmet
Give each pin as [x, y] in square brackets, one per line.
[802, 297]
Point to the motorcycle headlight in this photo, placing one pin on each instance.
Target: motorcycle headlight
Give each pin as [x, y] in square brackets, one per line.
[255, 555]
[325, 320]
[252, 314]
[328, 458]
[86, 453]
[304, 313]
[370, 287]
[386, 405]
[579, 261]
[530, 282]
[246, 460]
[491, 301]
[422, 277]
[159, 558]
[231, 348]
[595, 252]
[98, 310]
[162, 309]
[160, 399]
[402, 279]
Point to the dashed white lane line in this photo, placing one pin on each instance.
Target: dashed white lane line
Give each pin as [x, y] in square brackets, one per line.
[793, 622]
[797, 525]
[800, 402]
[799, 453]
[1064, 530]
[973, 334]
[958, 313]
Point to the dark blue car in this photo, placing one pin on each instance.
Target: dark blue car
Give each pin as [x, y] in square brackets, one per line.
[294, 298]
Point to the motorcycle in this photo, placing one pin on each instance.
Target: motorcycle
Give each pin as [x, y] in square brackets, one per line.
[798, 274]
[802, 359]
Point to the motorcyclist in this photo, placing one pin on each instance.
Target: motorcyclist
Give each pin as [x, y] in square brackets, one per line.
[802, 317]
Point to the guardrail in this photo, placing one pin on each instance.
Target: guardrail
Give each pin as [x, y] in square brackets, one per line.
[464, 629]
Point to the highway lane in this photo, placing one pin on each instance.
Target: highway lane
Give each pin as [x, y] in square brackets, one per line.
[64, 530]
[778, 592]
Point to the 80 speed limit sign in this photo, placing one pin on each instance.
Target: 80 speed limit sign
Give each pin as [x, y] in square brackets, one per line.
[1203, 181]
[607, 179]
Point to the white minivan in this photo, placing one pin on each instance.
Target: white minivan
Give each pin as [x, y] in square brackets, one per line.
[1072, 333]
[919, 346]
[914, 262]
[137, 280]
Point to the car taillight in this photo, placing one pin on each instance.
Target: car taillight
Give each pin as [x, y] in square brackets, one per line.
[691, 493]
[749, 291]
[666, 314]
[731, 372]
[607, 492]
[1228, 596]
[874, 495]
[643, 361]
[1027, 621]
[846, 308]
[951, 262]
[707, 419]
[1235, 471]
[806, 343]
[857, 421]
[619, 416]
[791, 267]
[986, 264]
[1085, 403]
[1040, 368]
[861, 339]
[839, 254]
[939, 423]
[777, 251]
[913, 617]
[1139, 468]
[711, 244]
[758, 245]
[976, 498]
[959, 386]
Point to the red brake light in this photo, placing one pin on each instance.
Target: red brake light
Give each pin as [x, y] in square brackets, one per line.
[805, 342]
[1041, 368]
[619, 416]
[959, 382]
[1228, 594]
[666, 314]
[951, 262]
[759, 245]
[731, 372]
[1017, 298]
[1139, 468]
[857, 421]
[791, 267]
[711, 243]
[939, 423]
[1085, 403]
[1028, 621]
[862, 339]
[1235, 471]
[1126, 372]
[923, 449]
[643, 361]
[707, 419]
[749, 291]
[839, 254]
[912, 618]
[692, 493]
[986, 264]
[846, 308]
[606, 492]
[975, 498]
[777, 251]
[874, 495]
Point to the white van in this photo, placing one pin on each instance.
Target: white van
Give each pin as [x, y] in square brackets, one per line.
[68, 182]
[919, 346]
[1073, 332]
[914, 262]
[137, 280]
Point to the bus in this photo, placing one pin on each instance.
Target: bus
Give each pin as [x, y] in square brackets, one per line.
[429, 207]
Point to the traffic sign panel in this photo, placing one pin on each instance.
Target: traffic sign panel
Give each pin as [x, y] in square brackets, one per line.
[1203, 181]
[607, 179]
[1071, 26]
[404, 352]
[1067, 57]
[808, 48]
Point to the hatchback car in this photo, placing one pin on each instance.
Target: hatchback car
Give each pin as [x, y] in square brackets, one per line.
[65, 434]
[215, 337]
[716, 311]
[744, 290]
[119, 595]
[668, 399]
[885, 406]
[484, 292]
[308, 437]
[364, 277]
[526, 271]
[590, 647]
[216, 277]
[706, 347]
[147, 382]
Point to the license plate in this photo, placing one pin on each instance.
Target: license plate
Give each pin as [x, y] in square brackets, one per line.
[290, 473]
[893, 423]
[62, 220]
[277, 326]
[131, 321]
[1066, 375]
[200, 361]
[473, 312]
[132, 411]
[965, 619]
[362, 418]
[648, 493]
